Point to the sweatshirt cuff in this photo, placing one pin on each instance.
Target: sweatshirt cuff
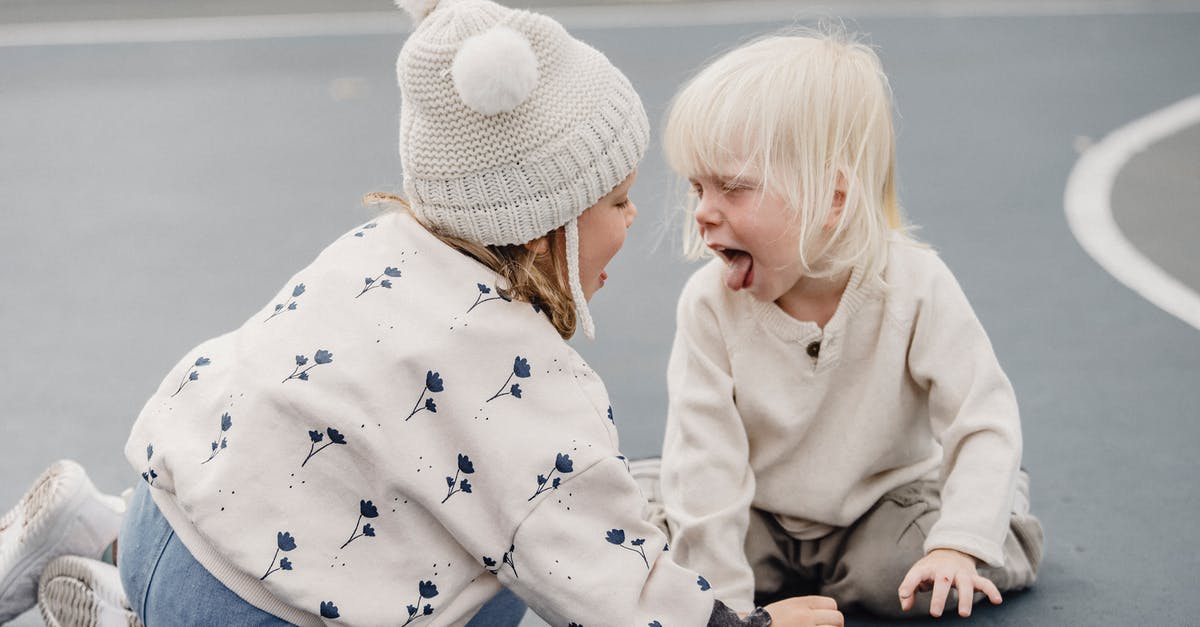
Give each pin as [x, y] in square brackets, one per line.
[983, 550]
[722, 616]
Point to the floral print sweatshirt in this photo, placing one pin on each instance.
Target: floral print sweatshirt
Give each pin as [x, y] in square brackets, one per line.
[390, 440]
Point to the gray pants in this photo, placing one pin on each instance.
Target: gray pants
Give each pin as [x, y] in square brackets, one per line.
[861, 566]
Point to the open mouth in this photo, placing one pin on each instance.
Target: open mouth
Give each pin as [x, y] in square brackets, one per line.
[739, 271]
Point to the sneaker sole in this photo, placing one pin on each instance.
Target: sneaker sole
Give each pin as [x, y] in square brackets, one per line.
[64, 486]
[80, 592]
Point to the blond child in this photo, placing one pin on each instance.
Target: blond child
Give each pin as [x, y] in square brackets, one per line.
[838, 421]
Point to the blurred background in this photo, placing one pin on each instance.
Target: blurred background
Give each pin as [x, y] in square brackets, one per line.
[166, 165]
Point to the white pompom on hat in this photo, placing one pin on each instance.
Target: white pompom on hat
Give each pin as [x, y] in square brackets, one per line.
[509, 127]
[417, 9]
[495, 71]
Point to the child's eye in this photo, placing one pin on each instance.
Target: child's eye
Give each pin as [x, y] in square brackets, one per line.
[698, 191]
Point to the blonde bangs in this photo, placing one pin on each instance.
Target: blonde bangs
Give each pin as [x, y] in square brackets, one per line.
[712, 130]
[795, 113]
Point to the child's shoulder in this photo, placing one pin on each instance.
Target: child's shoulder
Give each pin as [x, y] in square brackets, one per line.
[913, 265]
[916, 278]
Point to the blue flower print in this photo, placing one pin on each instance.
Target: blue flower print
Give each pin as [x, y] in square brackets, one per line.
[508, 559]
[520, 370]
[149, 476]
[283, 542]
[484, 291]
[374, 283]
[610, 418]
[564, 465]
[617, 537]
[654, 623]
[366, 509]
[365, 227]
[491, 567]
[453, 484]
[433, 384]
[702, 582]
[320, 358]
[192, 375]
[427, 591]
[316, 436]
[289, 305]
[221, 442]
[329, 610]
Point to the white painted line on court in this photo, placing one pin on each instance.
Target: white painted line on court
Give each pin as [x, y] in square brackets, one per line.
[1089, 209]
[654, 15]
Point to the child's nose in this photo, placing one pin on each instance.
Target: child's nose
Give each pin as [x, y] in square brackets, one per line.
[630, 214]
[706, 213]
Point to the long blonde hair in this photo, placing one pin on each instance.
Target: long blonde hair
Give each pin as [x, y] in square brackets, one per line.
[798, 110]
[536, 277]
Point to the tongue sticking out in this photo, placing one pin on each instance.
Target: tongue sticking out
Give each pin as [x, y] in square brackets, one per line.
[740, 272]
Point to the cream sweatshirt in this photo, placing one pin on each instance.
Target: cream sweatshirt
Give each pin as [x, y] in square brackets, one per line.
[905, 386]
[388, 441]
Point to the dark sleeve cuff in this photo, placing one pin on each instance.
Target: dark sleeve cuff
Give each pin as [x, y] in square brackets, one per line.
[722, 616]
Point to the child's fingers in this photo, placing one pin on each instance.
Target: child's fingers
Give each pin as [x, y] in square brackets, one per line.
[986, 586]
[941, 588]
[832, 618]
[908, 587]
[966, 594]
[820, 603]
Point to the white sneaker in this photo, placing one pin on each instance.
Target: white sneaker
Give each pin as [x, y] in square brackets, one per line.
[62, 514]
[80, 592]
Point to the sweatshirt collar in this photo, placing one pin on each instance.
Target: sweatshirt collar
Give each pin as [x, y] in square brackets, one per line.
[776, 321]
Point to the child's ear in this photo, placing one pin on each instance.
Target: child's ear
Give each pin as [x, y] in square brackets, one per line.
[839, 202]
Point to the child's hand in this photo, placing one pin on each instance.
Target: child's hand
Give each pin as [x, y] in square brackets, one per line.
[944, 568]
[811, 611]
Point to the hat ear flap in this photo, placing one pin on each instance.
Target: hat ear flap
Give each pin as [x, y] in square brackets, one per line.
[495, 71]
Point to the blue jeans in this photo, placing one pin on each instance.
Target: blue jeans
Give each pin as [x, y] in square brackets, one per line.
[165, 585]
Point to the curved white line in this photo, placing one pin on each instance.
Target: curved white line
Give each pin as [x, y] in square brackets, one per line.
[1089, 210]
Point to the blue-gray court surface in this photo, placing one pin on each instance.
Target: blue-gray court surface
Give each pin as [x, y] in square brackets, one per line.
[162, 174]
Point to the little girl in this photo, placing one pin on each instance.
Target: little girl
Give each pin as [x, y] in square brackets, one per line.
[838, 421]
[402, 430]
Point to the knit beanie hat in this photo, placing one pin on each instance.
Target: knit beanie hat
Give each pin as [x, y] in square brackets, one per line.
[510, 127]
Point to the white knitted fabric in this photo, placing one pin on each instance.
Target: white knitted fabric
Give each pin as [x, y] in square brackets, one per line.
[515, 163]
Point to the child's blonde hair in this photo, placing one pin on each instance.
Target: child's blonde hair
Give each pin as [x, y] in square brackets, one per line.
[793, 112]
[539, 278]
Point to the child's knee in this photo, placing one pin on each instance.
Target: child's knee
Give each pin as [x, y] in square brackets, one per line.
[878, 555]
